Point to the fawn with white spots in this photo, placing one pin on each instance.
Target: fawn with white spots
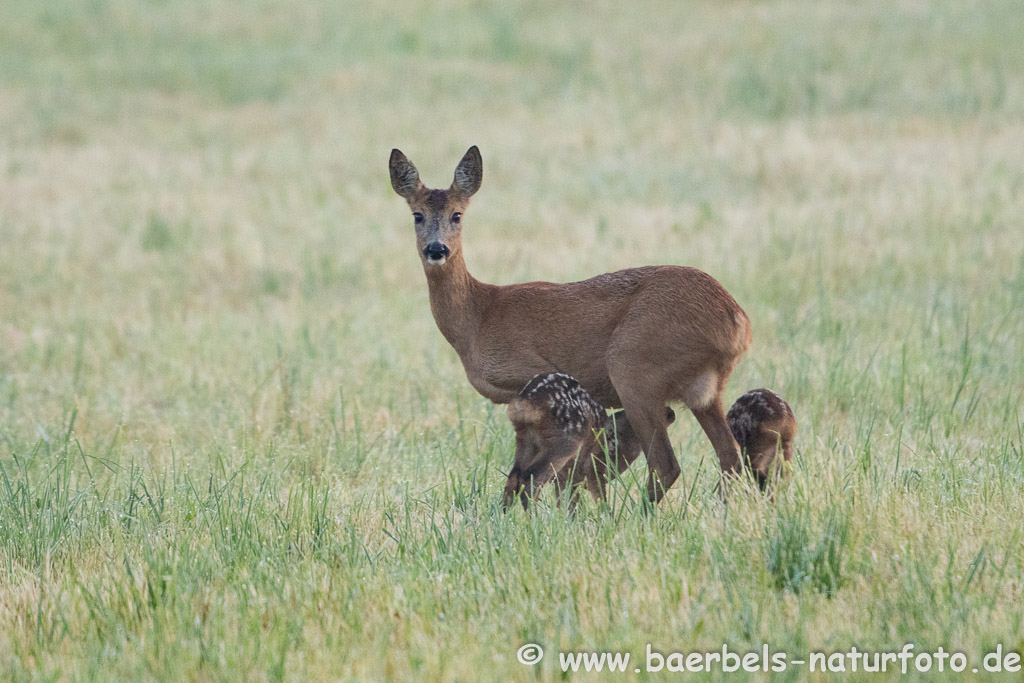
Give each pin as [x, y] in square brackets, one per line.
[564, 434]
[763, 425]
[636, 339]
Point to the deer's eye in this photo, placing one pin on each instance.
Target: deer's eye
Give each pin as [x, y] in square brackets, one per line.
[456, 217]
[417, 218]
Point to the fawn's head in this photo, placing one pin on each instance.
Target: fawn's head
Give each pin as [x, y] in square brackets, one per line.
[437, 214]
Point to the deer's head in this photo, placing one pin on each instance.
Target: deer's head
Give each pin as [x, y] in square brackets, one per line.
[437, 214]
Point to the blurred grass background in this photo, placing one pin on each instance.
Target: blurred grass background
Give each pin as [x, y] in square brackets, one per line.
[233, 443]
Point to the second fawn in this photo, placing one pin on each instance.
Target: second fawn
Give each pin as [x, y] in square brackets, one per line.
[563, 434]
[763, 424]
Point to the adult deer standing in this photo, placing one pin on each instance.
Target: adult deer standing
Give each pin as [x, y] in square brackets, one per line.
[637, 338]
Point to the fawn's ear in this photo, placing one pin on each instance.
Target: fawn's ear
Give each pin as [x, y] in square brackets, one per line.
[405, 179]
[469, 173]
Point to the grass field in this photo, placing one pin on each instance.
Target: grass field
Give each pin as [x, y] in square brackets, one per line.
[233, 445]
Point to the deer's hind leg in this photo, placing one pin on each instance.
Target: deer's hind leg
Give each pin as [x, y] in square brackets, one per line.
[706, 406]
[712, 420]
[611, 454]
[648, 419]
[643, 396]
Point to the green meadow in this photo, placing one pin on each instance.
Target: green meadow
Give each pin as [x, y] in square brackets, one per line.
[234, 446]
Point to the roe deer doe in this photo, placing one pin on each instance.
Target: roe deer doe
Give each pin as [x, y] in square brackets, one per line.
[564, 434]
[762, 423]
[637, 338]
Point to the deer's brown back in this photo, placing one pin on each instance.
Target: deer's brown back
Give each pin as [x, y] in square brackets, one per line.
[538, 327]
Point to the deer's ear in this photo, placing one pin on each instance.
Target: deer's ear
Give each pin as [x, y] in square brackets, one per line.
[469, 173]
[405, 179]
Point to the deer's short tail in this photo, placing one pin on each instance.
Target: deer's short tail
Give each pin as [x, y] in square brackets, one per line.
[744, 333]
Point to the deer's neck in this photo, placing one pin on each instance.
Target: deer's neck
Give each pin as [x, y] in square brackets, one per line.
[457, 300]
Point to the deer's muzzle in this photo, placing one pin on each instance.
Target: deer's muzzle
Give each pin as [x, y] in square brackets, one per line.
[436, 253]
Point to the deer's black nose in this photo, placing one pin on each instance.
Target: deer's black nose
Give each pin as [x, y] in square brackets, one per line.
[435, 252]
